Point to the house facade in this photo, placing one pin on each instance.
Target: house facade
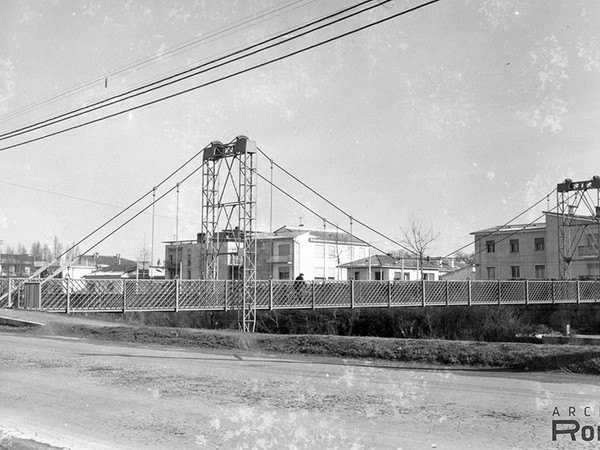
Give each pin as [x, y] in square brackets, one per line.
[386, 267]
[16, 265]
[280, 255]
[532, 251]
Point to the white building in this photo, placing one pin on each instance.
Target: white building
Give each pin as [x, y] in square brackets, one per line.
[386, 267]
[281, 255]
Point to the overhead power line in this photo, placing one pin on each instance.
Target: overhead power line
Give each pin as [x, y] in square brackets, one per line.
[73, 197]
[192, 72]
[160, 56]
[226, 77]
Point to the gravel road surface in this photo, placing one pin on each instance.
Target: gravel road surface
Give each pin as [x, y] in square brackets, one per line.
[78, 394]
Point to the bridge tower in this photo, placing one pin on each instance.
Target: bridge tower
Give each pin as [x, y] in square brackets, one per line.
[578, 211]
[229, 219]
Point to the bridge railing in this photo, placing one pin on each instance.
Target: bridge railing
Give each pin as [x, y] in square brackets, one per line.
[71, 295]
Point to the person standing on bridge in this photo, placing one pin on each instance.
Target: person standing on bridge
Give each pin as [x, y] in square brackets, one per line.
[299, 286]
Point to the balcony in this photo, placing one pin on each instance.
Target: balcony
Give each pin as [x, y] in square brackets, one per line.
[281, 259]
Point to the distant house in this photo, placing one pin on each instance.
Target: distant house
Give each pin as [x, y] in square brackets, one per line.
[16, 265]
[386, 267]
[84, 265]
[127, 270]
[462, 273]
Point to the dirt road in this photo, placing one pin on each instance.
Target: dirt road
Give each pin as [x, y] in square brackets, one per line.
[77, 394]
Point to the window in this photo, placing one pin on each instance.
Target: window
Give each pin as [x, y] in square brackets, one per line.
[406, 276]
[378, 276]
[284, 274]
[331, 251]
[491, 273]
[356, 275]
[397, 275]
[540, 272]
[428, 276]
[514, 246]
[491, 246]
[539, 244]
[284, 249]
[515, 272]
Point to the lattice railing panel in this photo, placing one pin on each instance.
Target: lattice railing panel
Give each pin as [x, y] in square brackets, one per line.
[458, 292]
[54, 294]
[484, 292]
[96, 295]
[565, 292]
[263, 294]
[589, 291]
[512, 292]
[407, 293]
[288, 294]
[235, 294]
[540, 292]
[150, 294]
[4, 292]
[435, 293]
[369, 293]
[201, 294]
[332, 294]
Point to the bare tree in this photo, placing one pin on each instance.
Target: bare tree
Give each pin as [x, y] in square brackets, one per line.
[418, 238]
[144, 257]
[73, 253]
[36, 251]
[57, 248]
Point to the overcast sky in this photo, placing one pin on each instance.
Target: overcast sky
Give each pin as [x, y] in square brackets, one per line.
[461, 114]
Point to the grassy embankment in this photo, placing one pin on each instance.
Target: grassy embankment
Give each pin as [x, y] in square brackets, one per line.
[512, 356]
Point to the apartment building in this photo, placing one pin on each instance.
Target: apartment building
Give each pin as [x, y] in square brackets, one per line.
[536, 251]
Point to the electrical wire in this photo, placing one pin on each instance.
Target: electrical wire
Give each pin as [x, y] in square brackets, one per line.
[161, 56]
[226, 77]
[72, 197]
[191, 73]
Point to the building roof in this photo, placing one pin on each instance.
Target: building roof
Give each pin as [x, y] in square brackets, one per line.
[102, 261]
[123, 271]
[540, 226]
[337, 236]
[389, 262]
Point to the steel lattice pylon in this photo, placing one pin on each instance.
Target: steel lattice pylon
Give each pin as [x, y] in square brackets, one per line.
[578, 211]
[229, 219]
